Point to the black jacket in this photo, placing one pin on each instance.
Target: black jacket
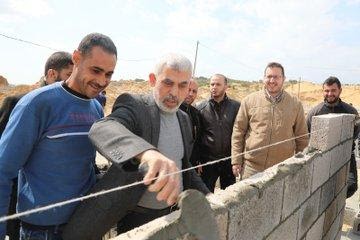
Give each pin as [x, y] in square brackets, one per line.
[194, 115]
[339, 107]
[217, 121]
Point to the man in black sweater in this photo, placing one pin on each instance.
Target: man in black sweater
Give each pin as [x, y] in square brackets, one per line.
[333, 104]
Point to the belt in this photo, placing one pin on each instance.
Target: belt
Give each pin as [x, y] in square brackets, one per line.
[41, 227]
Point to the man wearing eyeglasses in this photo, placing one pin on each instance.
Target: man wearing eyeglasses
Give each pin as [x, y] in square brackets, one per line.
[266, 117]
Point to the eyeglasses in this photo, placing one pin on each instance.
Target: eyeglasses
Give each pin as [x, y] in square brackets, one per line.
[275, 77]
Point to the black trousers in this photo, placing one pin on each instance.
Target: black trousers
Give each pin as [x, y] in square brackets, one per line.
[139, 216]
[13, 226]
[212, 172]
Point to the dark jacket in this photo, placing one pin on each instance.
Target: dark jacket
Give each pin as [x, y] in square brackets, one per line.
[339, 107]
[194, 115]
[6, 109]
[217, 121]
[132, 128]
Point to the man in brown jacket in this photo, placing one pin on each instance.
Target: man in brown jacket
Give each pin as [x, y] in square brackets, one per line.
[265, 117]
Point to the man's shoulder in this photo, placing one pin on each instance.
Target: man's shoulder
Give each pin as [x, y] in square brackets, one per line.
[234, 102]
[349, 108]
[253, 96]
[316, 110]
[291, 97]
[129, 100]
[47, 94]
[201, 105]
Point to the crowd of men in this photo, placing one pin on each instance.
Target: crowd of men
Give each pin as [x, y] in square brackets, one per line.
[49, 139]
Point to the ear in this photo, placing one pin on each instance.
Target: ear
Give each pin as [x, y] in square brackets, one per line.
[340, 91]
[50, 73]
[152, 79]
[76, 57]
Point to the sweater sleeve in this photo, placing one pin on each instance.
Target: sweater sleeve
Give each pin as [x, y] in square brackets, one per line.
[16, 144]
[240, 129]
[300, 129]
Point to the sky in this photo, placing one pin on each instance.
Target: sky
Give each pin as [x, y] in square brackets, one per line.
[312, 39]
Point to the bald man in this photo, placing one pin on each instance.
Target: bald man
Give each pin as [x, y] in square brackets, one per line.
[194, 116]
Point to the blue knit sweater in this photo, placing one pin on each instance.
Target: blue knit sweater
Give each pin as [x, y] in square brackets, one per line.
[46, 144]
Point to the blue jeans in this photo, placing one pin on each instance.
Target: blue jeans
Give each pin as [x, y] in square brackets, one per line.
[53, 233]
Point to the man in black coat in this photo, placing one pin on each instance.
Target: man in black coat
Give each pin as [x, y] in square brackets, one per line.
[218, 114]
[194, 116]
[333, 104]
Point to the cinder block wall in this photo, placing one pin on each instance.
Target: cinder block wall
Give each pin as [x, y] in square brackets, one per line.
[300, 198]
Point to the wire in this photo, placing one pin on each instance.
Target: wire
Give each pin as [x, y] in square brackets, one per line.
[28, 42]
[103, 192]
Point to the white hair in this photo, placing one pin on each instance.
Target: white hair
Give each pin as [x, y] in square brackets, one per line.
[175, 62]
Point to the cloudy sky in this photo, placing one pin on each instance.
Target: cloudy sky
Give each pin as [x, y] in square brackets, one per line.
[312, 39]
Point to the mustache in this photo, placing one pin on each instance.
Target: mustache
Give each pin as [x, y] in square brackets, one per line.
[171, 98]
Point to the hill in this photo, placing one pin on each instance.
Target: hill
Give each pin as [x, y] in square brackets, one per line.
[309, 93]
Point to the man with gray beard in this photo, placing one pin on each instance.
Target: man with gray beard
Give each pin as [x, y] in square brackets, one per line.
[142, 128]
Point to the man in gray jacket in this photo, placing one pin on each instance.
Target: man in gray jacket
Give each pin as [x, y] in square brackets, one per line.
[144, 129]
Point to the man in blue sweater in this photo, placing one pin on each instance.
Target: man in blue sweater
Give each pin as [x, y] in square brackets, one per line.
[46, 141]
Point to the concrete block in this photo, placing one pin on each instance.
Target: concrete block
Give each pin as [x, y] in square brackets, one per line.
[255, 217]
[347, 150]
[341, 200]
[330, 215]
[334, 229]
[321, 170]
[325, 131]
[340, 179]
[296, 189]
[287, 229]
[327, 194]
[308, 213]
[347, 129]
[337, 159]
[221, 217]
[316, 230]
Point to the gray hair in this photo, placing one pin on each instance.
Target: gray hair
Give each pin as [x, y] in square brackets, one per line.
[175, 62]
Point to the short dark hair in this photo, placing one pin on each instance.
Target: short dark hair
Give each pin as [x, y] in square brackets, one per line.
[331, 80]
[97, 40]
[58, 61]
[275, 65]
[221, 75]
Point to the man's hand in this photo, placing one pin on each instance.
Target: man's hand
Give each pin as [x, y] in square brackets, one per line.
[236, 169]
[168, 187]
[199, 170]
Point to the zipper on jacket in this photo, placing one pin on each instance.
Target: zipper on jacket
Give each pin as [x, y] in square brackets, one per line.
[270, 135]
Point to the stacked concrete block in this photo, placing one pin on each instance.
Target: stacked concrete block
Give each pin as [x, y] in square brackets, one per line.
[308, 213]
[297, 188]
[258, 215]
[321, 171]
[338, 158]
[325, 131]
[347, 129]
[287, 230]
[316, 230]
[327, 194]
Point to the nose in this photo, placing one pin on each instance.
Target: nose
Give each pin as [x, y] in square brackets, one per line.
[174, 90]
[103, 81]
